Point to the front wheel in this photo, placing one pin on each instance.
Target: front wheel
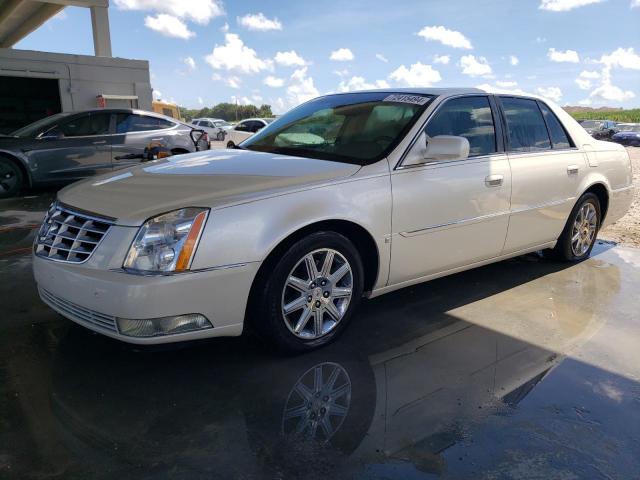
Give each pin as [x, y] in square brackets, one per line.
[230, 145]
[10, 178]
[311, 293]
[580, 232]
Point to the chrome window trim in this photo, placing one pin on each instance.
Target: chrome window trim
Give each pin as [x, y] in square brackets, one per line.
[430, 116]
[444, 163]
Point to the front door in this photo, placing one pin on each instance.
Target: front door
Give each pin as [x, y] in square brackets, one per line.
[76, 148]
[447, 214]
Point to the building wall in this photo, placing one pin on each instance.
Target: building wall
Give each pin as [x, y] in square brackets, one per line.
[82, 78]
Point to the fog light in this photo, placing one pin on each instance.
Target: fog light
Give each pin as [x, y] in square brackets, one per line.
[154, 327]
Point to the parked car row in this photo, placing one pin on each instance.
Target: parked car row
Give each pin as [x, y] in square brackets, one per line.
[215, 127]
[70, 146]
[623, 133]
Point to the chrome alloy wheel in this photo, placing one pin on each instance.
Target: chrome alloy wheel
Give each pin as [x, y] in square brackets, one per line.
[584, 229]
[317, 293]
[318, 403]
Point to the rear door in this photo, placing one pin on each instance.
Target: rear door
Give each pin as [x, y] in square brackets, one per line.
[77, 147]
[546, 170]
[135, 132]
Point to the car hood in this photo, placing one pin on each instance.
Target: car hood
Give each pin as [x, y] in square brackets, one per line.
[204, 179]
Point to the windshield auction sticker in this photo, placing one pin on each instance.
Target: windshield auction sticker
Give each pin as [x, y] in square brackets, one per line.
[400, 98]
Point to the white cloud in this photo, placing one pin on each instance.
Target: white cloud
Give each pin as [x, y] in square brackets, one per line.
[552, 93]
[564, 5]
[583, 83]
[417, 75]
[475, 67]
[622, 58]
[200, 101]
[258, 22]
[199, 11]
[384, 59]
[585, 102]
[497, 89]
[301, 87]
[341, 55]
[610, 93]
[289, 59]
[504, 84]
[224, 28]
[241, 100]
[569, 56]
[451, 38]
[190, 63]
[273, 82]
[168, 25]
[541, 39]
[635, 3]
[513, 60]
[591, 74]
[235, 55]
[229, 80]
[359, 83]
[342, 73]
[442, 59]
[157, 94]
[256, 98]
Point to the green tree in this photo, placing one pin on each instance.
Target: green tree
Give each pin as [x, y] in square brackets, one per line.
[227, 111]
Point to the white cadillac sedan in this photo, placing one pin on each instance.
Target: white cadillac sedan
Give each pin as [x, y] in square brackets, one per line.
[347, 195]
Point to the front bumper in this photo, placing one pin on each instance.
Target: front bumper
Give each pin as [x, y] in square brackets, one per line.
[95, 298]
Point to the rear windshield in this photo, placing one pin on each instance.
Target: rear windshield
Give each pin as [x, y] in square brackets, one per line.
[356, 128]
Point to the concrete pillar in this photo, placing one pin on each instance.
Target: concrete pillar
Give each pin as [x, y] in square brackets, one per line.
[101, 35]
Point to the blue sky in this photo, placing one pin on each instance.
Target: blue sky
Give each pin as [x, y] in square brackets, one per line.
[202, 52]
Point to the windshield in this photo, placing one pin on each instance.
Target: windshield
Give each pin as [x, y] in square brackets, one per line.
[38, 126]
[591, 124]
[629, 128]
[356, 127]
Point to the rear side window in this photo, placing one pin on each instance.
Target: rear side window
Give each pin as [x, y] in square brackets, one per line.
[559, 138]
[525, 125]
[126, 122]
[468, 117]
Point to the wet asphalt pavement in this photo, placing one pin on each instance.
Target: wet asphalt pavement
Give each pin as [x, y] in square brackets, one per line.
[523, 369]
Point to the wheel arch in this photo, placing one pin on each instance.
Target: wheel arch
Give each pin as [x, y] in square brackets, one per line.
[179, 151]
[21, 165]
[600, 190]
[360, 236]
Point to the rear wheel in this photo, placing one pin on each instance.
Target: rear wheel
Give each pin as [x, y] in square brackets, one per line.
[311, 293]
[11, 178]
[580, 232]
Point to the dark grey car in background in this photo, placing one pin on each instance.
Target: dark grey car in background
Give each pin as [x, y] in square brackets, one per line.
[69, 146]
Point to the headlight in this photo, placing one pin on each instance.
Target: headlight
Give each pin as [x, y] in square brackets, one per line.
[167, 242]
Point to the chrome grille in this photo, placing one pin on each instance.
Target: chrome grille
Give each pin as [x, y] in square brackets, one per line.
[77, 313]
[68, 236]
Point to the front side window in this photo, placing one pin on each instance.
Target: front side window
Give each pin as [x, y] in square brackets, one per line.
[355, 127]
[126, 122]
[525, 126]
[468, 117]
[559, 138]
[83, 126]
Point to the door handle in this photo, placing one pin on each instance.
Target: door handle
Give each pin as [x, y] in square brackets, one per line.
[99, 142]
[493, 180]
[572, 170]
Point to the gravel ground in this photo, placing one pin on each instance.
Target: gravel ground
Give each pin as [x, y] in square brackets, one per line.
[626, 231]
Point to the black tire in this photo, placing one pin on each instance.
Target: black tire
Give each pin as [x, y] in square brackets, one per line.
[564, 250]
[220, 136]
[11, 178]
[230, 145]
[267, 316]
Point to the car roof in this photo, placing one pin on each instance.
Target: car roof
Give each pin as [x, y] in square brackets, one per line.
[125, 110]
[254, 118]
[418, 91]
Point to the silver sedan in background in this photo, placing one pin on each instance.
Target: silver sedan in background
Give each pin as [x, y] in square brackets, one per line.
[347, 195]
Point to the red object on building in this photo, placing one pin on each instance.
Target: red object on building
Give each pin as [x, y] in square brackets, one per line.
[102, 102]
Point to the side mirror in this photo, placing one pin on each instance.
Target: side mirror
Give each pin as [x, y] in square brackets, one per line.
[446, 147]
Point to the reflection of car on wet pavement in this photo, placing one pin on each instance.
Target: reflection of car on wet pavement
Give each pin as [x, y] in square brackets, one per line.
[69, 146]
[350, 404]
[290, 235]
